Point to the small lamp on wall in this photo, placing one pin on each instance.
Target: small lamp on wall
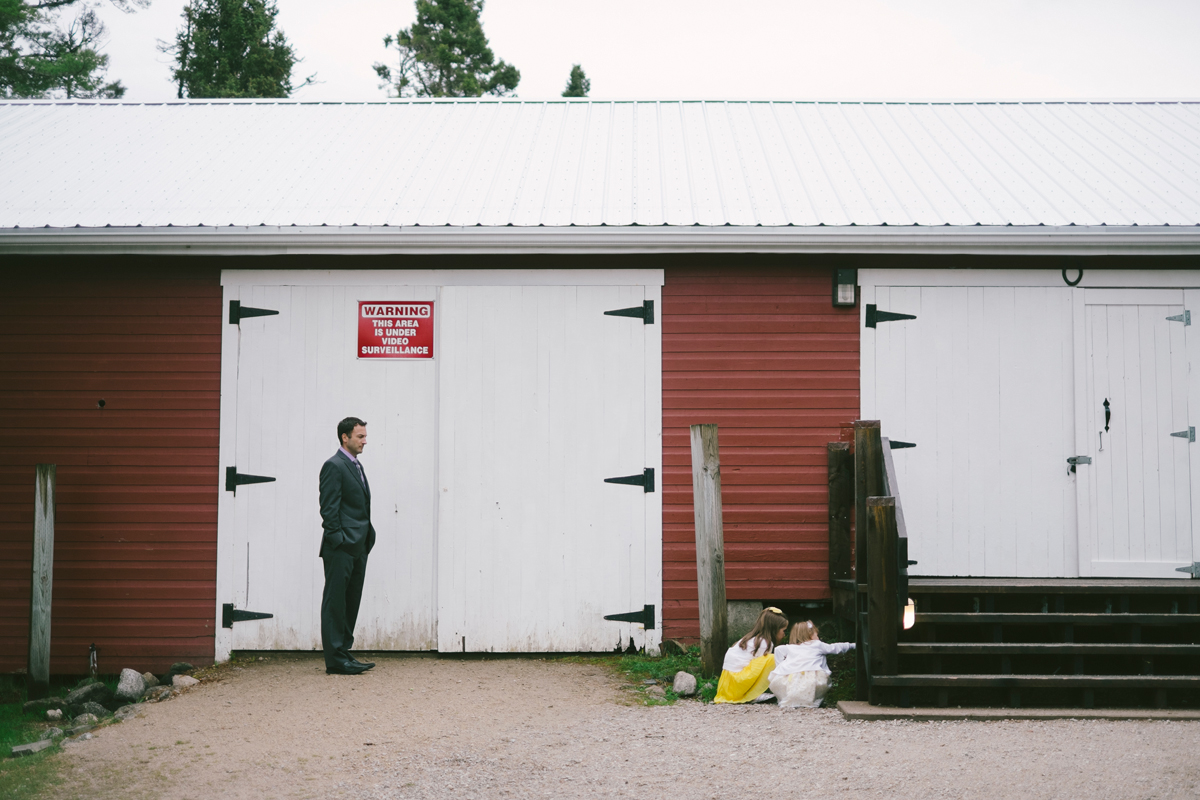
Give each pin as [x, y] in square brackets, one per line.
[845, 287]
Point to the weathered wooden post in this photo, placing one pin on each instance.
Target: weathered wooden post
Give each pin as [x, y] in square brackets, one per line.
[883, 609]
[841, 502]
[710, 547]
[43, 580]
[868, 482]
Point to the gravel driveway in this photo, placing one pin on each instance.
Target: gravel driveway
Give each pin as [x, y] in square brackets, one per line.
[426, 728]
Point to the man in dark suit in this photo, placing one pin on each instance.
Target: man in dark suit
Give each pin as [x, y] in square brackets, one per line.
[347, 540]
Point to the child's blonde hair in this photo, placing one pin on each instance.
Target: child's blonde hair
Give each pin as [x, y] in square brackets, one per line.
[767, 629]
[803, 632]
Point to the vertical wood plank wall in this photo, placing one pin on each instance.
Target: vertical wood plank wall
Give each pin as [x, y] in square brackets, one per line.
[135, 538]
[761, 351]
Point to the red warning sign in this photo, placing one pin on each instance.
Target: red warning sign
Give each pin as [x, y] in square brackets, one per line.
[395, 329]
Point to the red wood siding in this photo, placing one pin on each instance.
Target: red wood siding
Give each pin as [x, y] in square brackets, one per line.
[761, 351]
[136, 530]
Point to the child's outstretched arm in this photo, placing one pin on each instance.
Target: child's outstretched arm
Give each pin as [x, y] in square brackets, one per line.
[837, 648]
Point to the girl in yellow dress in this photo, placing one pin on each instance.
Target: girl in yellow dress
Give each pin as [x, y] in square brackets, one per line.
[749, 662]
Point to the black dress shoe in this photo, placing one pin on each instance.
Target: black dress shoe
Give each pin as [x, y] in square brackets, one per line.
[349, 668]
[367, 664]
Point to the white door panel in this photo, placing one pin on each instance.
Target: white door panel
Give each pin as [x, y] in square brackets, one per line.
[1139, 482]
[543, 396]
[981, 381]
[297, 377]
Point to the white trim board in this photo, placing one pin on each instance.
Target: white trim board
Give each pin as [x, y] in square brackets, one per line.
[445, 239]
[443, 277]
[1092, 278]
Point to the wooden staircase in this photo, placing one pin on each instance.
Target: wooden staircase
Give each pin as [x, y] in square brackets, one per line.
[1065, 642]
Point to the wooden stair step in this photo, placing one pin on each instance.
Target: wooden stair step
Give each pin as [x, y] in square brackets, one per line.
[1051, 618]
[1040, 648]
[1020, 681]
[1052, 586]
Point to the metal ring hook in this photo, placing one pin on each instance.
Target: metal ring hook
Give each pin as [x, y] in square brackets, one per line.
[1076, 281]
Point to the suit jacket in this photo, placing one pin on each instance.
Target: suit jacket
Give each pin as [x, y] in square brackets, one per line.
[345, 507]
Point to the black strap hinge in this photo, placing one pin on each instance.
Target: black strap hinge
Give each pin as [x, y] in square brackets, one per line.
[234, 479]
[645, 312]
[645, 480]
[874, 315]
[239, 312]
[894, 445]
[645, 617]
[230, 615]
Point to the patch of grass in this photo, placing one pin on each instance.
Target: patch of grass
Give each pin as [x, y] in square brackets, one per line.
[30, 776]
[663, 668]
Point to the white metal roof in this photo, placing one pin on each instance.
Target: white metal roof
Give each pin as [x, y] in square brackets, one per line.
[493, 163]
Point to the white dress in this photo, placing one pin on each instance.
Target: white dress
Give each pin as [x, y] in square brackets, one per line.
[801, 675]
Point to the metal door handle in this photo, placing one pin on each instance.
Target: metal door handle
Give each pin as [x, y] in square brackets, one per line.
[1107, 414]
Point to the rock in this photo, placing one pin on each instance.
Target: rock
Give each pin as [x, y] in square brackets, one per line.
[86, 736]
[656, 691]
[52, 733]
[31, 748]
[96, 692]
[78, 729]
[649, 681]
[85, 719]
[741, 616]
[113, 703]
[673, 647]
[131, 685]
[183, 681]
[150, 680]
[53, 714]
[182, 668]
[40, 707]
[125, 712]
[685, 684]
[95, 709]
[158, 693]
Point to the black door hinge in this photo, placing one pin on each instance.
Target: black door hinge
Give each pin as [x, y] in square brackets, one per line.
[234, 479]
[645, 480]
[874, 315]
[894, 445]
[239, 312]
[230, 615]
[1076, 460]
[645, 312]
[645, 617]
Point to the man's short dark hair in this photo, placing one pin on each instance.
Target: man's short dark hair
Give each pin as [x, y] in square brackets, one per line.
[346, 427]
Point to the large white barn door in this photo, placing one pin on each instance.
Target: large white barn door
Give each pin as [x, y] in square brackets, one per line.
[542, 398]
[981, 381]
[294, 377]
[1136, 497]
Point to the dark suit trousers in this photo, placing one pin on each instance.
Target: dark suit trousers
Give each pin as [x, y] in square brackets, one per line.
[344, 573]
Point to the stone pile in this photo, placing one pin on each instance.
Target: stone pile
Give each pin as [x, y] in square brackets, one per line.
[85, 707]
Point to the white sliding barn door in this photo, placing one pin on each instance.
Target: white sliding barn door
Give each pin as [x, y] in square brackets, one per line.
[982, 382]
[1136, 497]
[292, 377]
[542, 398]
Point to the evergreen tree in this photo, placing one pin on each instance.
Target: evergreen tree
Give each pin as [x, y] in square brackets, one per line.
[47, 52]
[578, 84]
[230, 48]
[445, 54]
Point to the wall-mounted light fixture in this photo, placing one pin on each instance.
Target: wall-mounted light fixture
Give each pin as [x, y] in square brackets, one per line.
[845, 287]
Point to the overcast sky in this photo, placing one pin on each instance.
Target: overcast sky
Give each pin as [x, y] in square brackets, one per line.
[780, 49]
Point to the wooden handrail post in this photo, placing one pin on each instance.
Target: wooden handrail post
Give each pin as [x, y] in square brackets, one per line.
[841, 505]
[868, 482]
[43, 580]
[710, 548]
[883, 611]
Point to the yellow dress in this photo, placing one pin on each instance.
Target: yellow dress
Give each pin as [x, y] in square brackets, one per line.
[747, 685]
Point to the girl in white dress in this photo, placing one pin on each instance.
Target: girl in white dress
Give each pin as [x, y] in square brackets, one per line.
[801, 675]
